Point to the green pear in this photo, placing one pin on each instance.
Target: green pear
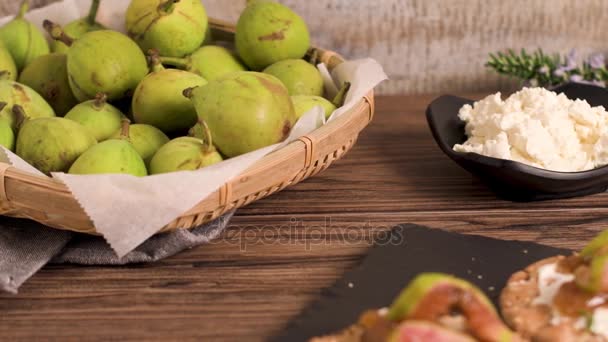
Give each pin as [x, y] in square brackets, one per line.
[146, 139]
[8, 69]
[186, 153]
[78, 28]
[245, 111]
[33, 105]
[158, 99]
[304, 103]
[183, 154]
[299, 76]
[48, 75]
[104, 61]
[7, 136]
[268, 32]
[23, 39]
[52, 144]
[110, 157]
[211, 62]
[98, 116]
[175, 28]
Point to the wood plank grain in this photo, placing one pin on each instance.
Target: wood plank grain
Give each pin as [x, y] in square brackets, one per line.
[279, 253]
[434, 45]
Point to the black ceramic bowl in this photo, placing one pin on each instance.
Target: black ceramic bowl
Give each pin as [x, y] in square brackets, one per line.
[509, 179]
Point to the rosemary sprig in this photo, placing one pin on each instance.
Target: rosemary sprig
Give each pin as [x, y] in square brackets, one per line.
[540, 69]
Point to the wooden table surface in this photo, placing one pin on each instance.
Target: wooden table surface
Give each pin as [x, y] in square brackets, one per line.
[280, 252]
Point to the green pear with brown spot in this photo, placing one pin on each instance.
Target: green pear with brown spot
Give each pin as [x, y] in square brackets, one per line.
[183, 154]
[52, 144]
[48, 75]
[104, 61]
[17, 94]
[186, 153]
[158, 99]
[78, 28]
[305, 103]
[146, 140]
[175, 28]
[211, 62]
[113, 156]
[8, 69]
[98, 116]
[268, 32]
[299, 76]
[23, 39]
[7, 136]
[245, 111]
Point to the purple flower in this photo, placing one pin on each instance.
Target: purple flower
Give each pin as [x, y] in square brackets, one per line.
[597, 61]
[581, 80]
[559, 72]
[570, 61]
[577, 79]
[544, 70]
[570, 65]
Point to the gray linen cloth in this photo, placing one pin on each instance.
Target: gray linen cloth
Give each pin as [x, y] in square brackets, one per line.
[26, 246]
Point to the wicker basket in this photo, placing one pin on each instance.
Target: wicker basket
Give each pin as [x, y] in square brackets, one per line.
[49, 202]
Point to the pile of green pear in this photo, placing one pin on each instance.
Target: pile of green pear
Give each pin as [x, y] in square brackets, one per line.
[162, 98]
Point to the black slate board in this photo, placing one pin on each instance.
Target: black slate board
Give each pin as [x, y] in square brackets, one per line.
[398, 258]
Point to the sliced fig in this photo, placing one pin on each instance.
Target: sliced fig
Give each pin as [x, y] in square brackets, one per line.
[414, 331]
[594, 276]
[432, 296]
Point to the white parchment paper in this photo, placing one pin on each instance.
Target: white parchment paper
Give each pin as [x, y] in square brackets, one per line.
[127, 210]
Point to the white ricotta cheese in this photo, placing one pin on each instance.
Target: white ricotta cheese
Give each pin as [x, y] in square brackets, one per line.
[599, 324]
[595, 301]
[538, 127]
[549, 282]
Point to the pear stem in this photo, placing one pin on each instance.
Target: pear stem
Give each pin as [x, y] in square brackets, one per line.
[92, 16]
[56, 32]
[124, 129]
[167, 6]
[204, 133]
[341, 97]
[100, 101]
[188, 92]
[182, 63]
[154, 61]
[23, 8]
[20, 116]
[313, 57]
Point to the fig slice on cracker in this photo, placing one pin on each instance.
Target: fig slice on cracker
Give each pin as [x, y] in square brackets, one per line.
[434, 307]
[562, 298]
[410, 331]
[433, 297]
